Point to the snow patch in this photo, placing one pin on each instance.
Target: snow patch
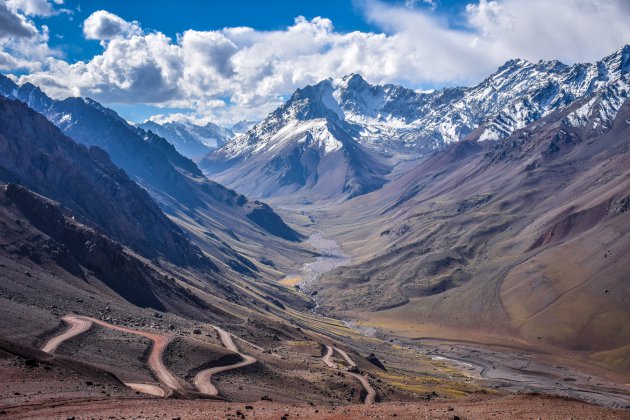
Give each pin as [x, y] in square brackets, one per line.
[65, 118]
[489, 134]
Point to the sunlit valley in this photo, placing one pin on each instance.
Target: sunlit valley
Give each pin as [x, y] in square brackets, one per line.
[409, 213]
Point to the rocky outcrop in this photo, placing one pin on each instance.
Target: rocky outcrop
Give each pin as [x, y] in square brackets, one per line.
[76, 247]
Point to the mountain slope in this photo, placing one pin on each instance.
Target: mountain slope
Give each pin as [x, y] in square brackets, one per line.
[242, 126]
[68, 208]
[526, 237]
[36, 154]
[49, 236]
[303, 147]
[189, 139]
[225, 224]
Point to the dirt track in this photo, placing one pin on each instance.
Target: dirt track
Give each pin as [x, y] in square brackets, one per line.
[328, 358]
[80, 324]
[202, 379]
[370, 398]
[155, 358]
[77, 326]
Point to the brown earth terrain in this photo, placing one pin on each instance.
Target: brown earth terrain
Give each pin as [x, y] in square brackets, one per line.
[520, 243]
[489, 281]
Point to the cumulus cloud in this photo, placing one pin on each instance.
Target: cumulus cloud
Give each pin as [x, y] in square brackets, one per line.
[12, 24]
[141, 69]
[23, 45]
[490, 18]
[242, 73]
[35, 7]
[8, 62]
[495, 31]
[103, 25]
[569, 30]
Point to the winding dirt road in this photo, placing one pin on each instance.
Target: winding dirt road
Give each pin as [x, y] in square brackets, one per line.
[156, 363]
[345, 356]
[80, 324]
[202, 379]
[77, 326]
[328, 358]
[370, 398]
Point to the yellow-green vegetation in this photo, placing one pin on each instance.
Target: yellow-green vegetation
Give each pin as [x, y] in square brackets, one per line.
[421, 385]
[328, 326]
[291, 281]
[310, 348]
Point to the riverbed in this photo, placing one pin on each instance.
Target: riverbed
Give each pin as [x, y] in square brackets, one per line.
[331, 257]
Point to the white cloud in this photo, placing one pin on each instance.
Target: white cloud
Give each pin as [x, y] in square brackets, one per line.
[495, 31]
[169, 118]
[412, 3]
[23, 45]
[242, 73]
[8, 62]
[13, 24]
[104, 26]
[31, 7]
[568, 30]
[180, 118]
[141, 69]
[489, 18]
[37, 7]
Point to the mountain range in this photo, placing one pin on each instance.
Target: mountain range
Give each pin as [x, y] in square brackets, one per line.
[191, 140]
[364, 130]
[526, 236]
[229, 228]
[461, 206]
[470, 241]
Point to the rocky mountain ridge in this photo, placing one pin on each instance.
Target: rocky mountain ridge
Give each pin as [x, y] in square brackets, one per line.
[390, 122]
[37, 155]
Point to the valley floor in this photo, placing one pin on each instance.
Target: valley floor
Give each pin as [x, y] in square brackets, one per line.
[302, 363]
[502, 363]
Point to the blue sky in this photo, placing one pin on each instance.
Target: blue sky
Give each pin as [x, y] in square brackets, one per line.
[173, 17]
[227, 61]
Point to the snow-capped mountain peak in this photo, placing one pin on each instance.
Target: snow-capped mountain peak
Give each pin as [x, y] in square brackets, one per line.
[190, 139]
[242, 126]
[348, 117]
[307, 143]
